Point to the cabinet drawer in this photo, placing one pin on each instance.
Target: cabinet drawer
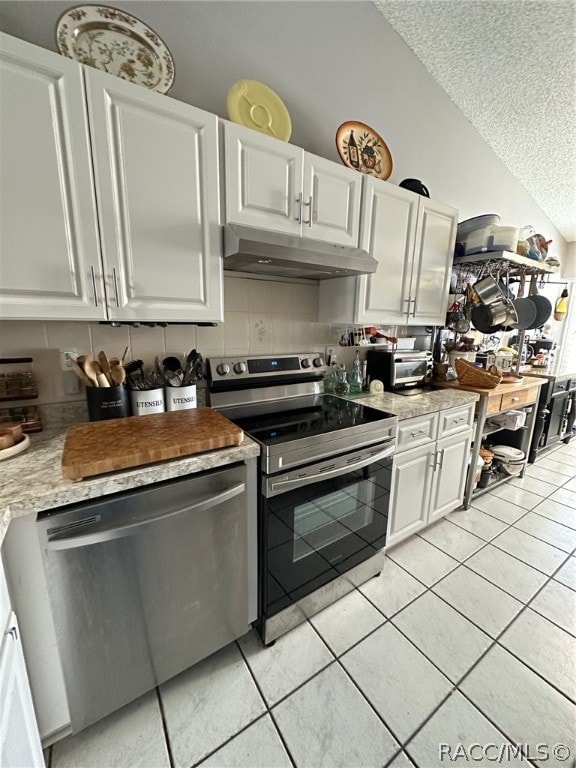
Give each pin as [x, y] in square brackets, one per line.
[494, 404]
[417, 431]
[518, 398]
[455, 420]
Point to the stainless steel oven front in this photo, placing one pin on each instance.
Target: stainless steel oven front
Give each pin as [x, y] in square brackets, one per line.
[323, 527]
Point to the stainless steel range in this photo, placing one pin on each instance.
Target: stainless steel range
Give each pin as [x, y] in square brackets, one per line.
[325, 475]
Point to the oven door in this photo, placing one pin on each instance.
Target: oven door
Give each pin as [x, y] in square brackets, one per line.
[322, 520]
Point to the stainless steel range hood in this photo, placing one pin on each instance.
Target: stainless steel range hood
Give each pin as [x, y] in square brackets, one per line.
[247, 249]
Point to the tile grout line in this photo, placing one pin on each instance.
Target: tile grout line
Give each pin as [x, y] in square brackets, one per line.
[165, 728]
[494, 642]
[357, 686]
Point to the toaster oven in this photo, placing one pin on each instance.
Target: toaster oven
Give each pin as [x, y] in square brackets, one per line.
[399, 369]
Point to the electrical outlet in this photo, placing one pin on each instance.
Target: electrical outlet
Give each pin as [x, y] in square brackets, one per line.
[71, 383]
[331, 355]
[65, 357]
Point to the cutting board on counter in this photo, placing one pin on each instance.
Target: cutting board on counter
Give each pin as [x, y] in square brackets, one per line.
[106, 446]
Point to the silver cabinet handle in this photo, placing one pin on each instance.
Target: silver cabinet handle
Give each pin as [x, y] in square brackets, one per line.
[115, 280]
[299, 203]
[439, 459]
[94, 285]
[418, 434]
[309, 205]
[408, 301]
[414, 310]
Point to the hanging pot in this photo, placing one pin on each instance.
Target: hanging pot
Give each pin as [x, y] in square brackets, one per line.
[542, 304]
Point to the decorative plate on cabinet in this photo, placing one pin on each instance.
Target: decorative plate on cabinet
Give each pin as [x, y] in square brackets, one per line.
[361, 148]
[118, 43]
[257, 106]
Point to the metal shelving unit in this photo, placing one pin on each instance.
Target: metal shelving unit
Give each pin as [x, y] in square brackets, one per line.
[503, 262]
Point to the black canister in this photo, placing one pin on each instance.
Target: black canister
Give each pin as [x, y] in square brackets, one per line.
[107, 402]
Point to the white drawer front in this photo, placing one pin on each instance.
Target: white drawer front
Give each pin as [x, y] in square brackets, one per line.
[417, 431]
[456, 420]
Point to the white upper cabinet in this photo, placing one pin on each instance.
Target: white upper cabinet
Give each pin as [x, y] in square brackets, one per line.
[276, 186]
[110, 209]
[389, 222]
[432, 265]
[331, 201]
[49, 251]
[156, 172]
[412, 238]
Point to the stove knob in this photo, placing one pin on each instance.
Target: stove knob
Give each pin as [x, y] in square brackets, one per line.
[239, 367]
[222, 369]
[305, 363]
[318, 362]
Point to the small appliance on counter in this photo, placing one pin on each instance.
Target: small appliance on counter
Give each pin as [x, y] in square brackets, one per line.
[403, 371]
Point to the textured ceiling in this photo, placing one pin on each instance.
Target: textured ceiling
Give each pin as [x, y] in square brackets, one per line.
[510, 66]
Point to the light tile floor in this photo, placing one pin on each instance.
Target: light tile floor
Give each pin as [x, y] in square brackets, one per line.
[467, 637]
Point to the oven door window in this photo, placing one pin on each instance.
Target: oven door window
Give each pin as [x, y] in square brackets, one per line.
[319, 531]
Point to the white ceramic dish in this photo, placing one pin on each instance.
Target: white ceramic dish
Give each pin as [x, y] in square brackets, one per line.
[7, 453]
[118, 43]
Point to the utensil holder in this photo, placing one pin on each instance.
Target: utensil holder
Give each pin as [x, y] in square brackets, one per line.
[145, 401]
[107, 402]
[180, 398]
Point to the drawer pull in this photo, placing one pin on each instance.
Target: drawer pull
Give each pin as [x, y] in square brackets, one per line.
[419, 434]
[515, 399]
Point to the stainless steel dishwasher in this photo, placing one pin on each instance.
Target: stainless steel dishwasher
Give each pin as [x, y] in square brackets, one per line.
[146, 583]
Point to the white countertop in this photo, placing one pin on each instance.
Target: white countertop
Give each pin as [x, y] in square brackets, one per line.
[408, 406]
[32, 481]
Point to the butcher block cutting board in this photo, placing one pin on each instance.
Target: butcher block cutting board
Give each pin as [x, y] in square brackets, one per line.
[106, 446]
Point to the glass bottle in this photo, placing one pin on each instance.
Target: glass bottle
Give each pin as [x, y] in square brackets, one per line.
[356, 376]
[330, 378]
[341, 387]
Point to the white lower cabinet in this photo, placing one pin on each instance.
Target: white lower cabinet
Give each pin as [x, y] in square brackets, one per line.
[19, 739]
[429, 471]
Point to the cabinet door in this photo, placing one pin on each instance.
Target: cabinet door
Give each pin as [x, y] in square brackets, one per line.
[410, 494]
[263, 181]
[433, 255]
[331, 205]
[388, 230]
[156, 169]
[449, 475]
[50, 258]
[19, 739]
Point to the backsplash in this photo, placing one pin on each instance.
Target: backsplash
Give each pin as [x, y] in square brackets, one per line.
[261, 316]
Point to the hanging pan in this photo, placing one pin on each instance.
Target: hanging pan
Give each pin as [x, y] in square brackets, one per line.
[525, 309]
[543, 306]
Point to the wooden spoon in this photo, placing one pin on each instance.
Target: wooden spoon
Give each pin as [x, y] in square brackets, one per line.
[93, 371]
[78, 370]
[104, 365]
[118, 374]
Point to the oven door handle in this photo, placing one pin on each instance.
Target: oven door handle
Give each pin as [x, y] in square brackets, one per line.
[281, 486]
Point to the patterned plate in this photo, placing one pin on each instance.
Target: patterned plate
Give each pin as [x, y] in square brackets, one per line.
[118, 43]
[360, 147]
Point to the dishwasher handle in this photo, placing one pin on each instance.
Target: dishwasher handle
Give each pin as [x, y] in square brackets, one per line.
[111, 532]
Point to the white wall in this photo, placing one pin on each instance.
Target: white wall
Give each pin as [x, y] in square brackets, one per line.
[329, 62]
[260, 317]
